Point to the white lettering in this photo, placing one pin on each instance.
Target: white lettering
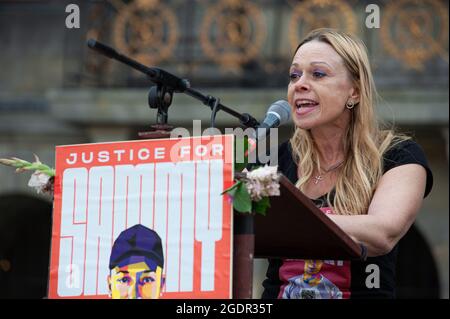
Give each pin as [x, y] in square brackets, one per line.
[184, 150]
[73, 224]
[373, 279]
[175, 193]
[373, 19]
[73, 276]
[73, 19]
[73, 160]
[87, 161]
[217, 150]
[159, 153]
[144, 154]
[103, 156]
[208, 216]
[201, 150]
[98, 248]
[119, 154]
[99, 203]
[131, 155]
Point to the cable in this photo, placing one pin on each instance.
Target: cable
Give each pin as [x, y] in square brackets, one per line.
[215, 108]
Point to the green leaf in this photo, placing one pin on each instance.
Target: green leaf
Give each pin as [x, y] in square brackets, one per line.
[242, 201]
[261, 206]
[232, 190]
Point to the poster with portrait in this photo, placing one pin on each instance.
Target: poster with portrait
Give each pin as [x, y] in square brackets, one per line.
[143, 219]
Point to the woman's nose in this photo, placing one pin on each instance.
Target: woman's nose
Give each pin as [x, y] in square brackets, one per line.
[302, 84]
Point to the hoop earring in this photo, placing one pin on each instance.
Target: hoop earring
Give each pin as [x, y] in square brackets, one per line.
[350, 105]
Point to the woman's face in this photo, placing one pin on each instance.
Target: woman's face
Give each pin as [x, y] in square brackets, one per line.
[319, 87]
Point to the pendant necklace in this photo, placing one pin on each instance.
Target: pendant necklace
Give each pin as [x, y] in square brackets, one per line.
[319, 177]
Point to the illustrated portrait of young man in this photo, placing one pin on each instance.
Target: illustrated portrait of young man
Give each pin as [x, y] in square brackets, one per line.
[136, 265]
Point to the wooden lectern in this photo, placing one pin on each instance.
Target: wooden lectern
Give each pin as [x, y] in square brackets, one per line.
[292, 228]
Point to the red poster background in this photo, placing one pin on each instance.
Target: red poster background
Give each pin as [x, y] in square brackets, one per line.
[223, 255]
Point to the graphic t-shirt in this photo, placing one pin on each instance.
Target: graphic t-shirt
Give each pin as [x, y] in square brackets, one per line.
[338, 279]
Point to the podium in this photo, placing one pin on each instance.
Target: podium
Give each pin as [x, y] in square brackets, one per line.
[292, 228]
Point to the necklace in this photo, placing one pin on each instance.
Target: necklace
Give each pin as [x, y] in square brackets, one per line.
[319, 177]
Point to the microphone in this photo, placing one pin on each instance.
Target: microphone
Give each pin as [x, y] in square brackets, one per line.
[277, 114]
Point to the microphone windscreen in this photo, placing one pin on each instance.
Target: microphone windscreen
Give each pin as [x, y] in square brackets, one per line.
[282, 109]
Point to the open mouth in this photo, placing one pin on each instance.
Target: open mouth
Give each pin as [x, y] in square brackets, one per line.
[304, 106]
[305, 103]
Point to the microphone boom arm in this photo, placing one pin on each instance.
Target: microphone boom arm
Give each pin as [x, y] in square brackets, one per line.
[173, 83]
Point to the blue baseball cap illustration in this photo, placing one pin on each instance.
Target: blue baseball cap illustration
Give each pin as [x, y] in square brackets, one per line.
[136, 244]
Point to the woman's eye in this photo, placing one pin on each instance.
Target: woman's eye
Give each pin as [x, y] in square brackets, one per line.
[294, 76]
[318, 74]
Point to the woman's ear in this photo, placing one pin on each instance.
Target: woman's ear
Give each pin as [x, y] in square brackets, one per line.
[354, 95]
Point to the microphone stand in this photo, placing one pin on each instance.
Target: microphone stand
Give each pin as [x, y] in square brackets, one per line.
[160, 96]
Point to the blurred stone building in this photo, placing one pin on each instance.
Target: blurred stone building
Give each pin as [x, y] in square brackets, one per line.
[55, 91]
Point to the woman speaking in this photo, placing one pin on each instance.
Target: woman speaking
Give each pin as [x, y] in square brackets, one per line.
[369, 181]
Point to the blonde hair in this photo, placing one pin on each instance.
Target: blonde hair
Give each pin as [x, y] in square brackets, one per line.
[365, 141]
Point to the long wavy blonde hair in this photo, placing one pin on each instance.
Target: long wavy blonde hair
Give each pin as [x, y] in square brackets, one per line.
[365, 141]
